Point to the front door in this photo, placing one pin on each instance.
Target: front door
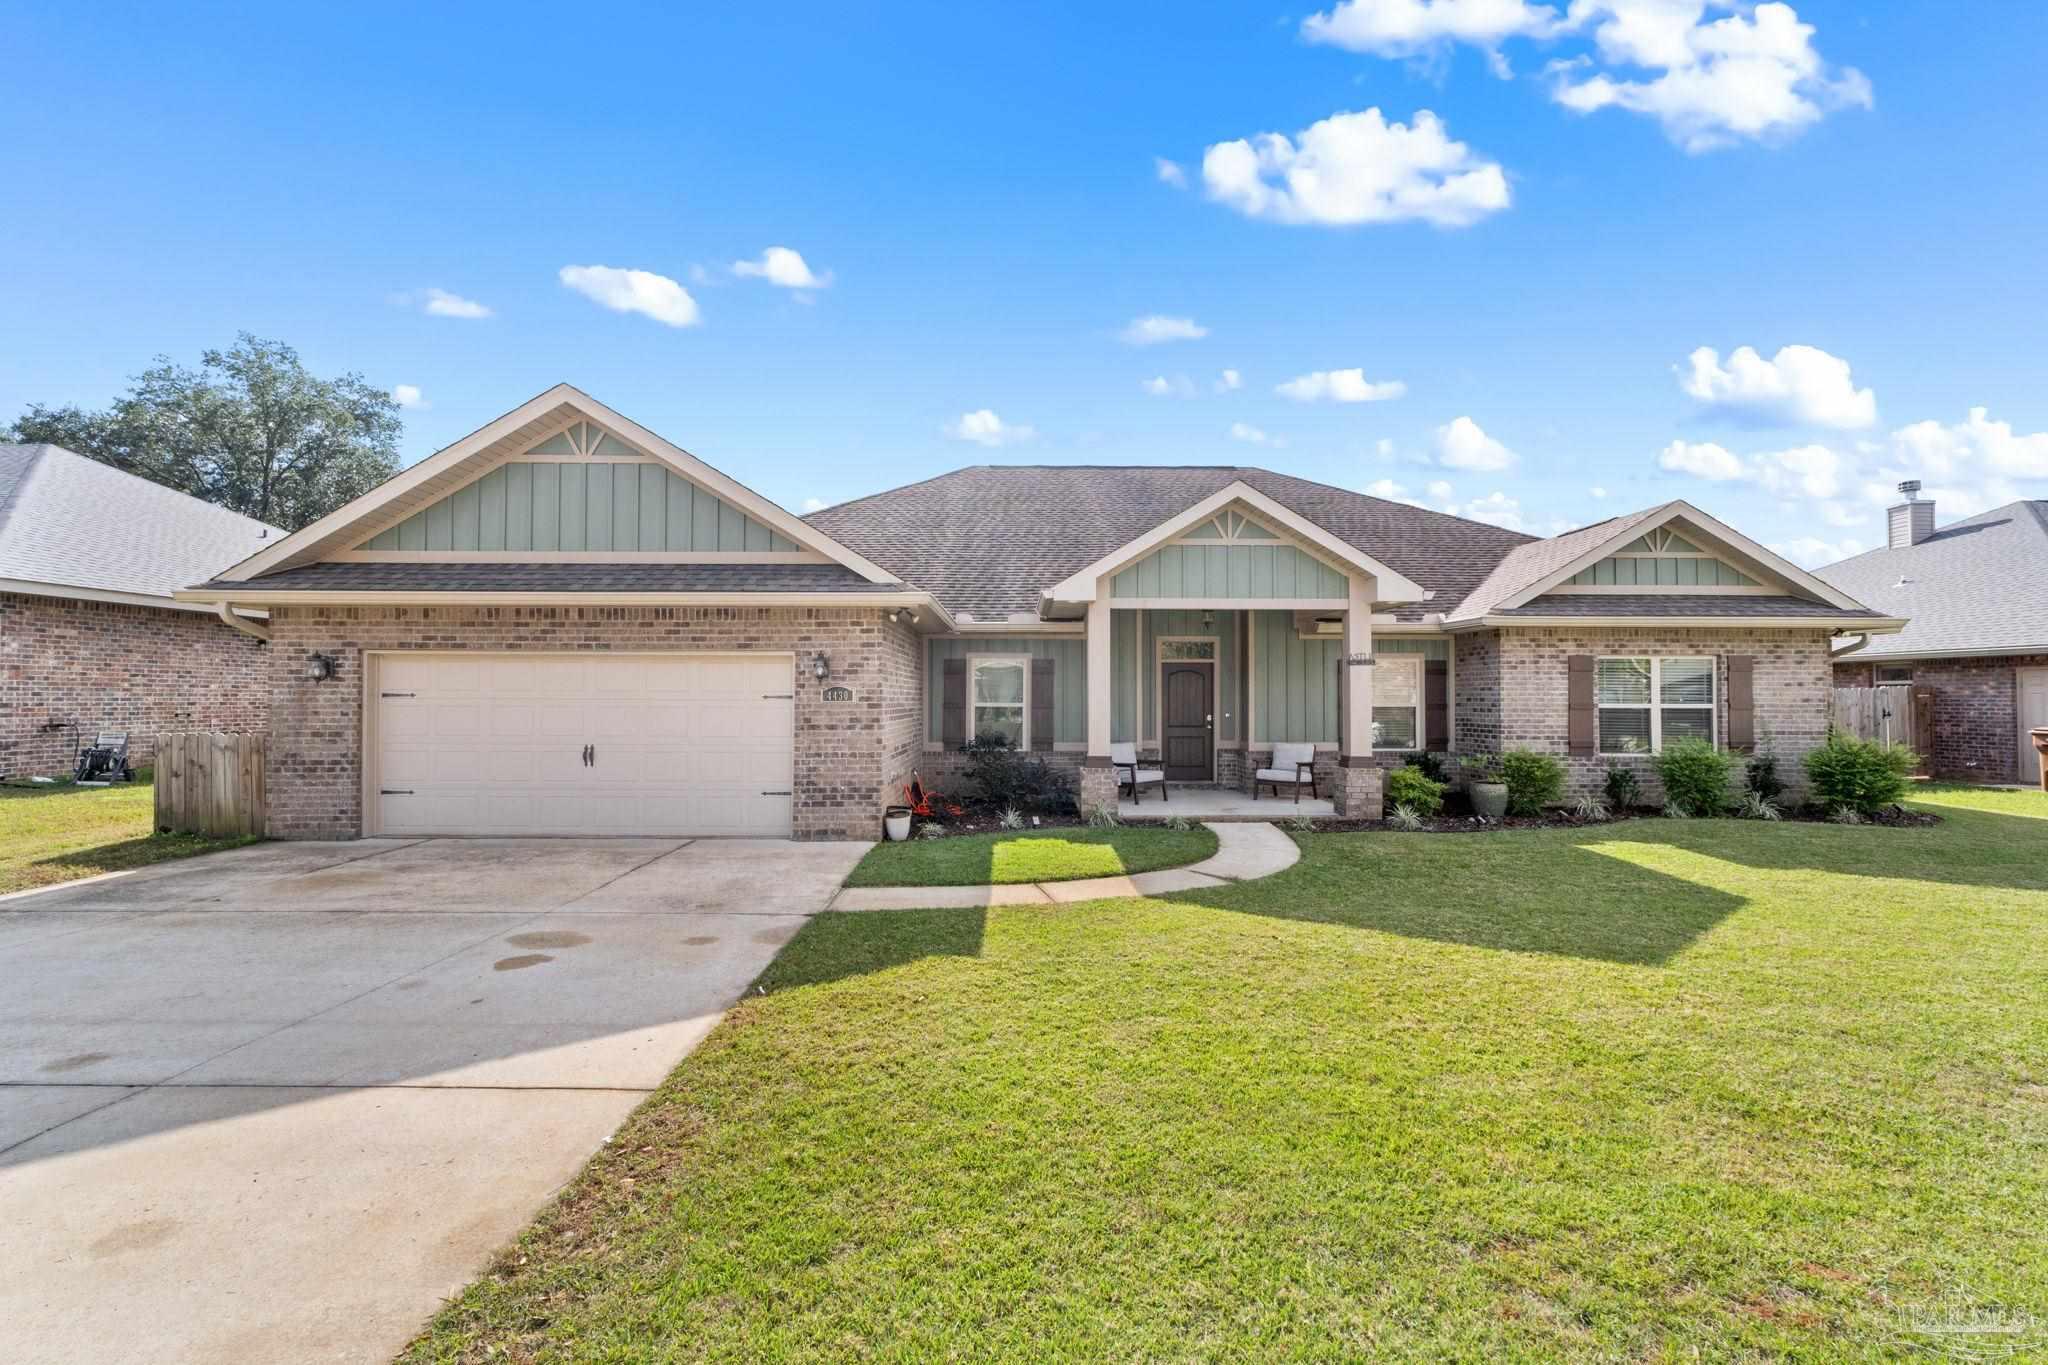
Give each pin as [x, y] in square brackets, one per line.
[1188, 722]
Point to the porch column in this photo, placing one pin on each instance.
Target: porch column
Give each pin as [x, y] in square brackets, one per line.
[1098, 779]
[1357, 788]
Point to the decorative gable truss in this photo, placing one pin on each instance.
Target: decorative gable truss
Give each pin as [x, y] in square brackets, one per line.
[1662, 559]
[581, 491]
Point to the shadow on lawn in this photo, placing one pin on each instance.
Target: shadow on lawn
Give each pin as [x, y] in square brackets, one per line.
[834, 947]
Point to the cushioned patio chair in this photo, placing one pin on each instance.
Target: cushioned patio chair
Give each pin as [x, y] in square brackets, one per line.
[1124, 758]
[1294, 765]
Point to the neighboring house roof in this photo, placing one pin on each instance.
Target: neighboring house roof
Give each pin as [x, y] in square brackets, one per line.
[563, 577]
[989, 539]
[70, 523]
[1975, 586]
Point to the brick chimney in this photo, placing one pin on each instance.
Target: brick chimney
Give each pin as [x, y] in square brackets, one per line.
[1911, 521]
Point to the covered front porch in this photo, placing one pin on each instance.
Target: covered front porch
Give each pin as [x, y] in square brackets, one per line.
[1200, 803]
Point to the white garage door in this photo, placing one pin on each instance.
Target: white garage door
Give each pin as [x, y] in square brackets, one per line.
[582, 744]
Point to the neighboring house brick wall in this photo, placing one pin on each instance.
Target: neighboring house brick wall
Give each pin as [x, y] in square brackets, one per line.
[112, 666]
[852, 758]
[1976, 712]
[1791, 683]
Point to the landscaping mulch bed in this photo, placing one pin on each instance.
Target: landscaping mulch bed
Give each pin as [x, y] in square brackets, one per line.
[989, 823]
[1891, 816]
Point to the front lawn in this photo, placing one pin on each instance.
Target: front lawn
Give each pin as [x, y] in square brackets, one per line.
[1054, 855]
[51, 834]
[1660, 1090]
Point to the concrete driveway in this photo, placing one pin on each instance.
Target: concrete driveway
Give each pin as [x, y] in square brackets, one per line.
[278, 1103]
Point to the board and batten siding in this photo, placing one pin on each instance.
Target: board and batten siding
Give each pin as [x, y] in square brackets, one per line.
[1069, 654]
[1295, 681]
[1235, 572]
[1664, 571]
[1144, 661]
[580, 506]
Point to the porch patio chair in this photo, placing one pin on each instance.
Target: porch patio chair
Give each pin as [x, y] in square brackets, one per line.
[1124, 758]
[1294, 765]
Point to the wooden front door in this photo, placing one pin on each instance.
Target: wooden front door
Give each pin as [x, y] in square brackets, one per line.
[1188, 721]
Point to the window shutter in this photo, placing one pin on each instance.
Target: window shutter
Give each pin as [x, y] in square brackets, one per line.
[953, 705]
[1741, 702]
[1041, 703]
[1436, 704]
[1582, 718]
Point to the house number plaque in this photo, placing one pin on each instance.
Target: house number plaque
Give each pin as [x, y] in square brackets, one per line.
[838, 694]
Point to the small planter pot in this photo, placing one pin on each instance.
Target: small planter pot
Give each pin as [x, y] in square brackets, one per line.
[896, 823]
[1489, 799]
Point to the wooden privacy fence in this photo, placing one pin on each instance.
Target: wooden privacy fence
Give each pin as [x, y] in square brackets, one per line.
[1893, 715]
[210, 783]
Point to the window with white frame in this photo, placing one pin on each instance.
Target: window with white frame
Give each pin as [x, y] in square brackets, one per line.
[998, 690]
[1397, 701]
[1645, 703]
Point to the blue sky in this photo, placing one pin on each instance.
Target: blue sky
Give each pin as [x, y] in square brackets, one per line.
[1521, 253]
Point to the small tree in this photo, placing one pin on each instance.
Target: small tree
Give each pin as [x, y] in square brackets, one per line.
[1534, 780]
[1695, 776]
[250, 429]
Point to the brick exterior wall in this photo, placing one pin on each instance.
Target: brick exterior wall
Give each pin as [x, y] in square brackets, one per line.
[1475, 693]
[1791, 682]
[852, 758]
[112, 666]
[1976, 712]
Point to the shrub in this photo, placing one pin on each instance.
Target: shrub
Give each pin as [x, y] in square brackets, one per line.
[1534, 780]
[1431, 765]
[1480, 767]
[1695, 776]
[1674, 811]
[1415, 789]
[1591, 809]
[1624, 788]
[1761, 776]
[1405, 817]
[1011, 818]
[1858, 774]
[1756, 806]
[1179, 824]
[1300, 824]
[1002, 778]
[1103, 817]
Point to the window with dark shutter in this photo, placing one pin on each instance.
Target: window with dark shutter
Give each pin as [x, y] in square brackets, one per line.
[1741, 702]
[953, 704]
[1436, 705]
[1041, 703]
[1581, 715]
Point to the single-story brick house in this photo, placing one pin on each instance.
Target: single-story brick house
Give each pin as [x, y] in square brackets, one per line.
[564, 623]
[1976, 591]
[91, 637]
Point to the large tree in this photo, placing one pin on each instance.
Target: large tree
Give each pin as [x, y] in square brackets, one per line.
[249, 429]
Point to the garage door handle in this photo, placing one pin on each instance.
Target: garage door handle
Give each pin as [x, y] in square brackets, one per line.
[394, 791]
[398, 694]
[778, 696]
[776, 793]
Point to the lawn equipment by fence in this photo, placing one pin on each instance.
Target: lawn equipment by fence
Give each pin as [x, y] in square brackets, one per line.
[104, 760]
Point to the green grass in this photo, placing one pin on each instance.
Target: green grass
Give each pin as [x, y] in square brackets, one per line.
[61, 833]
[2004, 801]
[1651, 1091]
[1047, 856]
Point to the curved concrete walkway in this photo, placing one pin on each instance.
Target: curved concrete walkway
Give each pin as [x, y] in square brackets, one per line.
[1244, 851]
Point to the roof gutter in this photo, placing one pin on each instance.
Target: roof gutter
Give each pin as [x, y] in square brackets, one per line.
[243, 623]
[1874, 626]
[1846, 650]
[245, 593]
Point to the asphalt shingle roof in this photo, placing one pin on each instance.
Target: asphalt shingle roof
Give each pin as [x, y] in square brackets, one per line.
[1529, 564]
[989, 539]
[1977, 585]
[1700, 604]
[74, 522]
[430, 577]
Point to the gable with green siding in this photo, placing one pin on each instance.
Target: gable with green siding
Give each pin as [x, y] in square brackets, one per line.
[1661, 571]
[1230, 571]
[582, 505]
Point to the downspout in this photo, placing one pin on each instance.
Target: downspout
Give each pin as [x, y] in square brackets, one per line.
[1844, 652]
[243, 623]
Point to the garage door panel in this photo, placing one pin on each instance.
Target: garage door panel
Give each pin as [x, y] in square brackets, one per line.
[493, 744]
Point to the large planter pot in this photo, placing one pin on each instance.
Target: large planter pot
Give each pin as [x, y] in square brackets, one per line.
[896, 823]
[1489, 799]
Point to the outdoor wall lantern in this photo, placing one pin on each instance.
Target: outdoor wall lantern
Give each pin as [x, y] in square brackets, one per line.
[821, 669]
[898, 614]
[320, 667]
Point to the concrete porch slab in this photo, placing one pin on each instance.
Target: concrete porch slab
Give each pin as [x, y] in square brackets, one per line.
[1216, 803]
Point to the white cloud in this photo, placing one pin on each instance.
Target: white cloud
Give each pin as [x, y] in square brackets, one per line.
[442, 304]
[1392, 492]
[1150, 331]
[1440, 489]
[1460, 444]
[1753, 74]
[1596, 492]
[1384, 447]
[1409, 28]
[1495, 509]
[814, 505]
[1812, 471]
[1702, 460]
[1228, 380]
[1178, 386]
[1340, 386]
[1355, 168]
[984, 428]
[1798, 385]
[1243, 431]
[633, 291]
[1170, 172]
[1943, 451]
[408, 396]
[781, 266]
[1811, 552]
